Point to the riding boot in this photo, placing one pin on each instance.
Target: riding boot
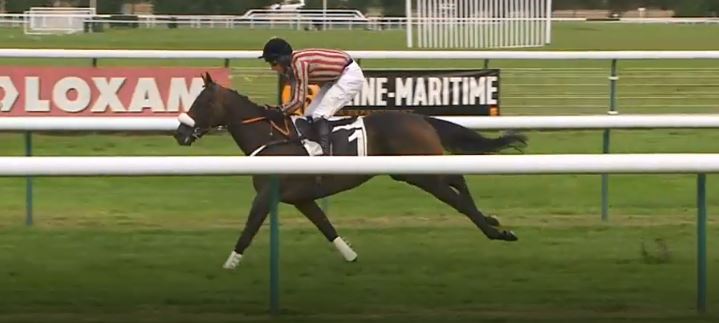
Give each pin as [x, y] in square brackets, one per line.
[322, 126]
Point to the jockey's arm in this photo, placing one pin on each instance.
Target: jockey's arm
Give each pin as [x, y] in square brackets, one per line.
[299, 87]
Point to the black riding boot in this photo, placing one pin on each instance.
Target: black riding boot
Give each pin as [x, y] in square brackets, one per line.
[322, 126]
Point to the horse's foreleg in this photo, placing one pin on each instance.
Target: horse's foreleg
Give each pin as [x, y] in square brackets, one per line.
[258, 214]
[315, 214]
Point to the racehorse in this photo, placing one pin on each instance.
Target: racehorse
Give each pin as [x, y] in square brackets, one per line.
[388, 133]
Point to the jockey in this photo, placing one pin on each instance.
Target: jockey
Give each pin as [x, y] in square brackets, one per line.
[339, 77]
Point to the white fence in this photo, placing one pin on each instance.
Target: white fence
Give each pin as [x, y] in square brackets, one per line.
[531, 164]
[363, 54]
[478, 123]
[52, 20]
[478, 23]
[493, 164]
[235, 21]
[603, 122]
[525, 164]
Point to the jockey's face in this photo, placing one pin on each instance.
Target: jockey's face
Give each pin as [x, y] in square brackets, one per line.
[277, 67]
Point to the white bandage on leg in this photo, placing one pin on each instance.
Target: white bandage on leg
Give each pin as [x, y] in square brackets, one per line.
[232, 261]
[345, 250]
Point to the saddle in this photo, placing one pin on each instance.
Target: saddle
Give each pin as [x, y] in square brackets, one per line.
[304, 128]
[348, 136]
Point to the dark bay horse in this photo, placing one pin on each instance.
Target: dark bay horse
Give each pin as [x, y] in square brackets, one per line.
[388, 133]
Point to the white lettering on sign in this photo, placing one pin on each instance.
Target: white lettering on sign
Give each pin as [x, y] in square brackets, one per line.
[428, 91]
[146, 95]
[420, 95]
[456, 85]
[181, 94]
[33, 103]
[380, 91]
[403, 91]
[74, 94]
[367, 95]
[435, 88]
[10, 93]
[61, 91]
[108, 94]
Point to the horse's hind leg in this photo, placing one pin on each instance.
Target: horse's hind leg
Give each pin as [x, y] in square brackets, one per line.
[440, 188]
[460, 184]
[315, 214]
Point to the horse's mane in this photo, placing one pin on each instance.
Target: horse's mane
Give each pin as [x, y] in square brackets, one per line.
[245, 99]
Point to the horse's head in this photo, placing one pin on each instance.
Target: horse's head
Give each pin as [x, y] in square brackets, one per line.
[206, 112]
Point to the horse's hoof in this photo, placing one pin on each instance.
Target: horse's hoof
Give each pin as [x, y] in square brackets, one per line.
[509, 236]
[493, 220]
[232, 261]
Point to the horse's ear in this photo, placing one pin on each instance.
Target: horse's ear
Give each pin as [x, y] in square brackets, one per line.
[208, 79]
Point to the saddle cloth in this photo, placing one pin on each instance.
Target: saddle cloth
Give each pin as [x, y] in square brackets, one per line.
[348, 138]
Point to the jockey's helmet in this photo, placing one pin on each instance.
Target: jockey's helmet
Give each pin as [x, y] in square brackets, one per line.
[277, 51]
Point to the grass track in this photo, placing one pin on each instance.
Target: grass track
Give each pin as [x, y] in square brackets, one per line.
[149, 249]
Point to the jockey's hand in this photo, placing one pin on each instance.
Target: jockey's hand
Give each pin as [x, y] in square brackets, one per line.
[275, 114]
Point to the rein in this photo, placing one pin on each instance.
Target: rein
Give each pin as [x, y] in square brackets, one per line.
[285, 131]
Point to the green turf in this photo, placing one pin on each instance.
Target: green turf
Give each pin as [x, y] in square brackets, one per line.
[150, 249]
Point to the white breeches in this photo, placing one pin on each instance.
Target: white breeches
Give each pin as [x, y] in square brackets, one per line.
[334, 96]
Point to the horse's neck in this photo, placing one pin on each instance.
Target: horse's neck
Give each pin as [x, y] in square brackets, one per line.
[248, 136]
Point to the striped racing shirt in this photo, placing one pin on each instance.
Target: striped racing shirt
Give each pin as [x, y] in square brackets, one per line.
[313, 66]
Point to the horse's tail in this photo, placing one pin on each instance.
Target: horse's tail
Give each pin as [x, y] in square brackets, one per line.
[460, 140]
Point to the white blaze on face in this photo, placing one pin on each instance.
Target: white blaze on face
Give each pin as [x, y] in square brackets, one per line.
[185, 119]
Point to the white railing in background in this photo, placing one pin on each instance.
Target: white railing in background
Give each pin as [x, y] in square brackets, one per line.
[477, 123]
[234, 21]
[362, 54]
[53, 20]
[259, 14]
[478, 24]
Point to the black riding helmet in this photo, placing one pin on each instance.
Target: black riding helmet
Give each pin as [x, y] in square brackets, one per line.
[277, 51]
